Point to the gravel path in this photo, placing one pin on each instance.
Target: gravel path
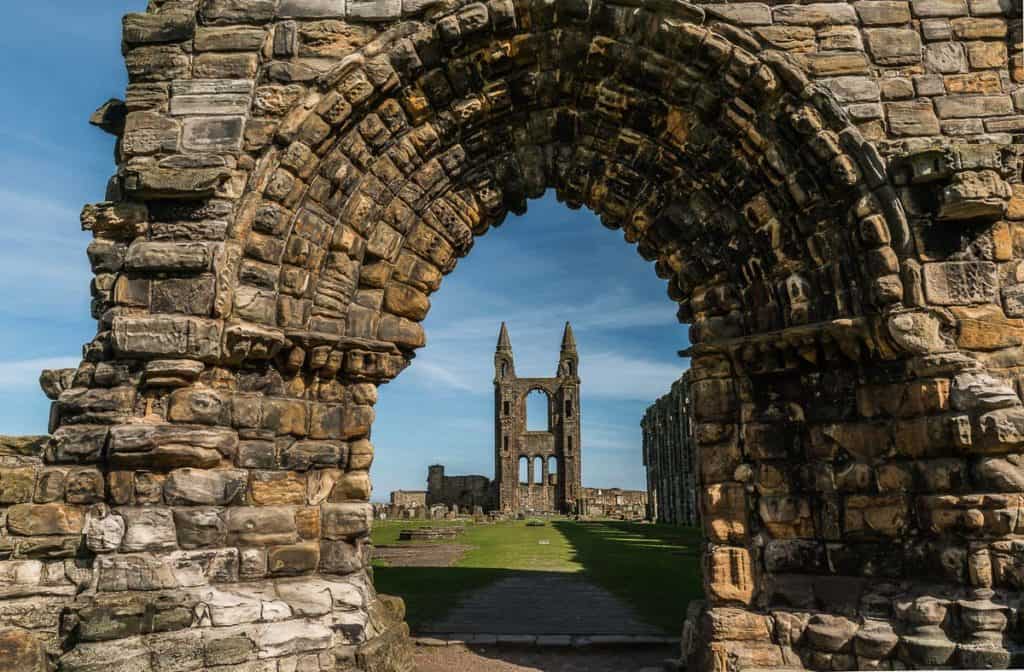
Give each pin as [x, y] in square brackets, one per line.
[541, 603]
[493, 659]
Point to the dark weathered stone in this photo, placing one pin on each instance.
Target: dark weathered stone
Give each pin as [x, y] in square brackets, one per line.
[156, 28]
[200, 527]
[199, 487]
[191, 338]
[21, 650]
[170, 446]
[237, 11]
[229, 38]
[45, 519]
[168, 183]
[261, 526]
[345, 521]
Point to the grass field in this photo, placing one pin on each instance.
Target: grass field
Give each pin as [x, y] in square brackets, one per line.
[654, 568]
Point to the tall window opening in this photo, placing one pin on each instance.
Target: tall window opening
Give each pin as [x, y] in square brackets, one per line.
[537, 405]
[524, 470]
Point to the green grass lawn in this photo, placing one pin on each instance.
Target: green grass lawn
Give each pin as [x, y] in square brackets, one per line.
[642, 564]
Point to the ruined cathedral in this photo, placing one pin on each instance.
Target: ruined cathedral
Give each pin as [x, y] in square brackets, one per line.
[555, 489]
[535, 470]
[550, 481]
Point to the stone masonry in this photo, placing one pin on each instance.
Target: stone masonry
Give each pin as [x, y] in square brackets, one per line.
[670, 458]
[465, 492]
[613, 503]
[831, 191]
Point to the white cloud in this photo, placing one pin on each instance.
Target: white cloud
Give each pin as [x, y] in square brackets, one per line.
[614, 375]
[25, 373]
[607, 374]
[433, 373]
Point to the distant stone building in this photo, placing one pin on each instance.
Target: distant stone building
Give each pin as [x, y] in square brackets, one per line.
[550, 460]
[409, 498]
[614, 503]
[465, 492]
[670, 457]
[557, 449]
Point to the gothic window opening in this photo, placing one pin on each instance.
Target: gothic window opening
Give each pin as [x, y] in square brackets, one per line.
[537, 411]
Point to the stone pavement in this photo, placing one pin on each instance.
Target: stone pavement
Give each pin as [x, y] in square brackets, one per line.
[541, 603]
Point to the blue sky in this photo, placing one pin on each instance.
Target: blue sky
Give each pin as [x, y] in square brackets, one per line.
[535, 272]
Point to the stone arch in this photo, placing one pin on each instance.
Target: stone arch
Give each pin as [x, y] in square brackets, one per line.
[274, 232]
[755, 113]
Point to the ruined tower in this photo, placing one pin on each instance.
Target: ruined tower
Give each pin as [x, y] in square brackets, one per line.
[556, 485]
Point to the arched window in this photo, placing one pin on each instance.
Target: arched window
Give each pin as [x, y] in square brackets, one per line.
[553, 470]
[524, 470]
[537, 410]
[538, 470]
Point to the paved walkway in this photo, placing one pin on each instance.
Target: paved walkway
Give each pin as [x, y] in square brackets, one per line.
[499, 659]
[541, 603]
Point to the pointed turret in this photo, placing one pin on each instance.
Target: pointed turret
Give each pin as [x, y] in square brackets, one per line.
[568, 359]
[504, 343]
[568, 339]
[504, 365]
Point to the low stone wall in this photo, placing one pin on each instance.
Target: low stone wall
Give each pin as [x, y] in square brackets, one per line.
[614, 503]
[430, 533]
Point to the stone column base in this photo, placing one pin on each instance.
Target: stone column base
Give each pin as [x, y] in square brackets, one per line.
[929, 627]
[392, 649]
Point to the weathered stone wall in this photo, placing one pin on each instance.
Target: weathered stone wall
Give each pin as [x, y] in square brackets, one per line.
[669, 455]
[465, 492]
[832, 192]
[409, 498]
[614, 503]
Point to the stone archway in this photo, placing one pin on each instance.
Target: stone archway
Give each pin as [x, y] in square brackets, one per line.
[296, 177]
